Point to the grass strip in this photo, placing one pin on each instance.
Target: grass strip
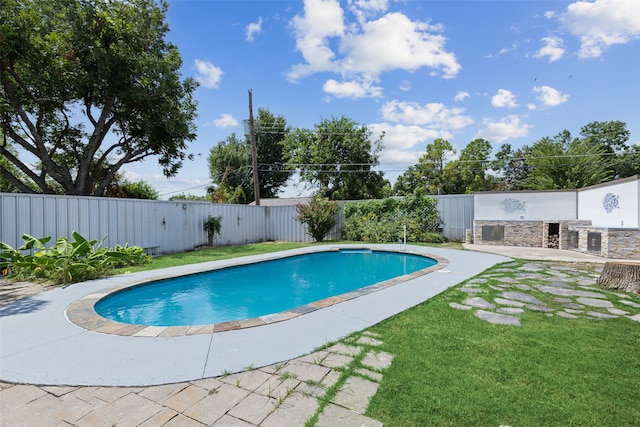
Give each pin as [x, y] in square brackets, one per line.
[225, 252]
[214, 254]
[345, 373]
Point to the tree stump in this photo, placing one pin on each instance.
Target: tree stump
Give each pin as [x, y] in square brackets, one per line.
[621, 275]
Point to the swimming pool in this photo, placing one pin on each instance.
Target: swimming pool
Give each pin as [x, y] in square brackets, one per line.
[297, 284]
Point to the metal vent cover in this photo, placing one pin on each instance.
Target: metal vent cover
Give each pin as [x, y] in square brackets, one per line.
[594, 241]
[573, 240]
[493, 233]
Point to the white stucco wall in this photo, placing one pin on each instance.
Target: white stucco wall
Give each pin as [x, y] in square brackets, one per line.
[526, 206]
[616, 204]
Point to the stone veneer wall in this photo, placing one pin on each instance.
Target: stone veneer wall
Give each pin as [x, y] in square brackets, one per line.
[516, 233]
[621, 243]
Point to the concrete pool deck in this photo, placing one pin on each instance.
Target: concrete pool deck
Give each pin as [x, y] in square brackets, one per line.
[38, 344]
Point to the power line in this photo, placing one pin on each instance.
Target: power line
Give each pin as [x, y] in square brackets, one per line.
[344, 167]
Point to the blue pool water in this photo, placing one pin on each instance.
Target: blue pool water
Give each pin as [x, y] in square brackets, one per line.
[255, 290]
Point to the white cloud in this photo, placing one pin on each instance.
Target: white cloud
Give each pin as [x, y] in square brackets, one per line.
[208, 75]
[400, 159]
[504, 50]
[404, 145]
[602, 23]
[409, 127]
[503, 129]
[504, 98]
[365, 8]
[352, 89]
[403, 137]
[553, 49]
[461, 96]
[361, 51]
[322, 20]
[253, 29]
[395, 42]
[550, 97]
[225, 121]
[404, 86]
[432, 114]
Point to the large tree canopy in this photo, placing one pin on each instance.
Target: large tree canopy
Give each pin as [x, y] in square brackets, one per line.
[270, 132]
[337, 158]
[230, 166]
[87, 87]
[564, 162]
[511, 166]
[561, 162]
[230, 170]
[612, 137]
[469, 172]
[428, 174]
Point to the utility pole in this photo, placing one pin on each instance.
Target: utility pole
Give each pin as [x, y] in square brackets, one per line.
[254, 153]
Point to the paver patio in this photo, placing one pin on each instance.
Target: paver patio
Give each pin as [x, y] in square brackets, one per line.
[278, 395]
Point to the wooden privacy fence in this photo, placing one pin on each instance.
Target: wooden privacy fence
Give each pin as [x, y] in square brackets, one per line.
[174, 226]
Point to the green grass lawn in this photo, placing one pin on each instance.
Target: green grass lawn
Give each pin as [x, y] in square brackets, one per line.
[214, 254]
[451, 368]
[226, 252]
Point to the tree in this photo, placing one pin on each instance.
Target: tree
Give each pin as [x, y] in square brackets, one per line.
[410, 181]
[191, 197]
[87, 87]
[612, 137]
[428, 173]
[337, 158]
[230, 168]
[5, 185]
[319, 216]
[469, 172]
[475, 163]
[123, 188]
[564, 162]
[629, 162]
[230, 162]
[270, 132]
[511, 167]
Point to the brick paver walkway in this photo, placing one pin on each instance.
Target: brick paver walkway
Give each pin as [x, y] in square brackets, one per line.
[286, 394]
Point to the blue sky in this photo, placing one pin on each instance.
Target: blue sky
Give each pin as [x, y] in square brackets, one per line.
[507, 71]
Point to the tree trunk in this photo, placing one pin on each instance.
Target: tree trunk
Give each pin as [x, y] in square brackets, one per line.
[621, 275]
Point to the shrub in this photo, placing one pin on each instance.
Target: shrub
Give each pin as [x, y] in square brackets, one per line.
[319, 216]
[380, 221]
[212, 226]
[67, 261]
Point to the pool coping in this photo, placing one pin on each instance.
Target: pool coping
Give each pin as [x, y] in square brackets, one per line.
[82, 312]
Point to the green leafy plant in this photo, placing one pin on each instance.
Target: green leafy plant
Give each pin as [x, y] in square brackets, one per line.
[212, 225]
[319, 216]
[66, 261]
[384, 220]
[125, 256]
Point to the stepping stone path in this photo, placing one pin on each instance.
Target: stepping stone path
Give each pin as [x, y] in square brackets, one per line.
[500, 299]
[286, 394]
